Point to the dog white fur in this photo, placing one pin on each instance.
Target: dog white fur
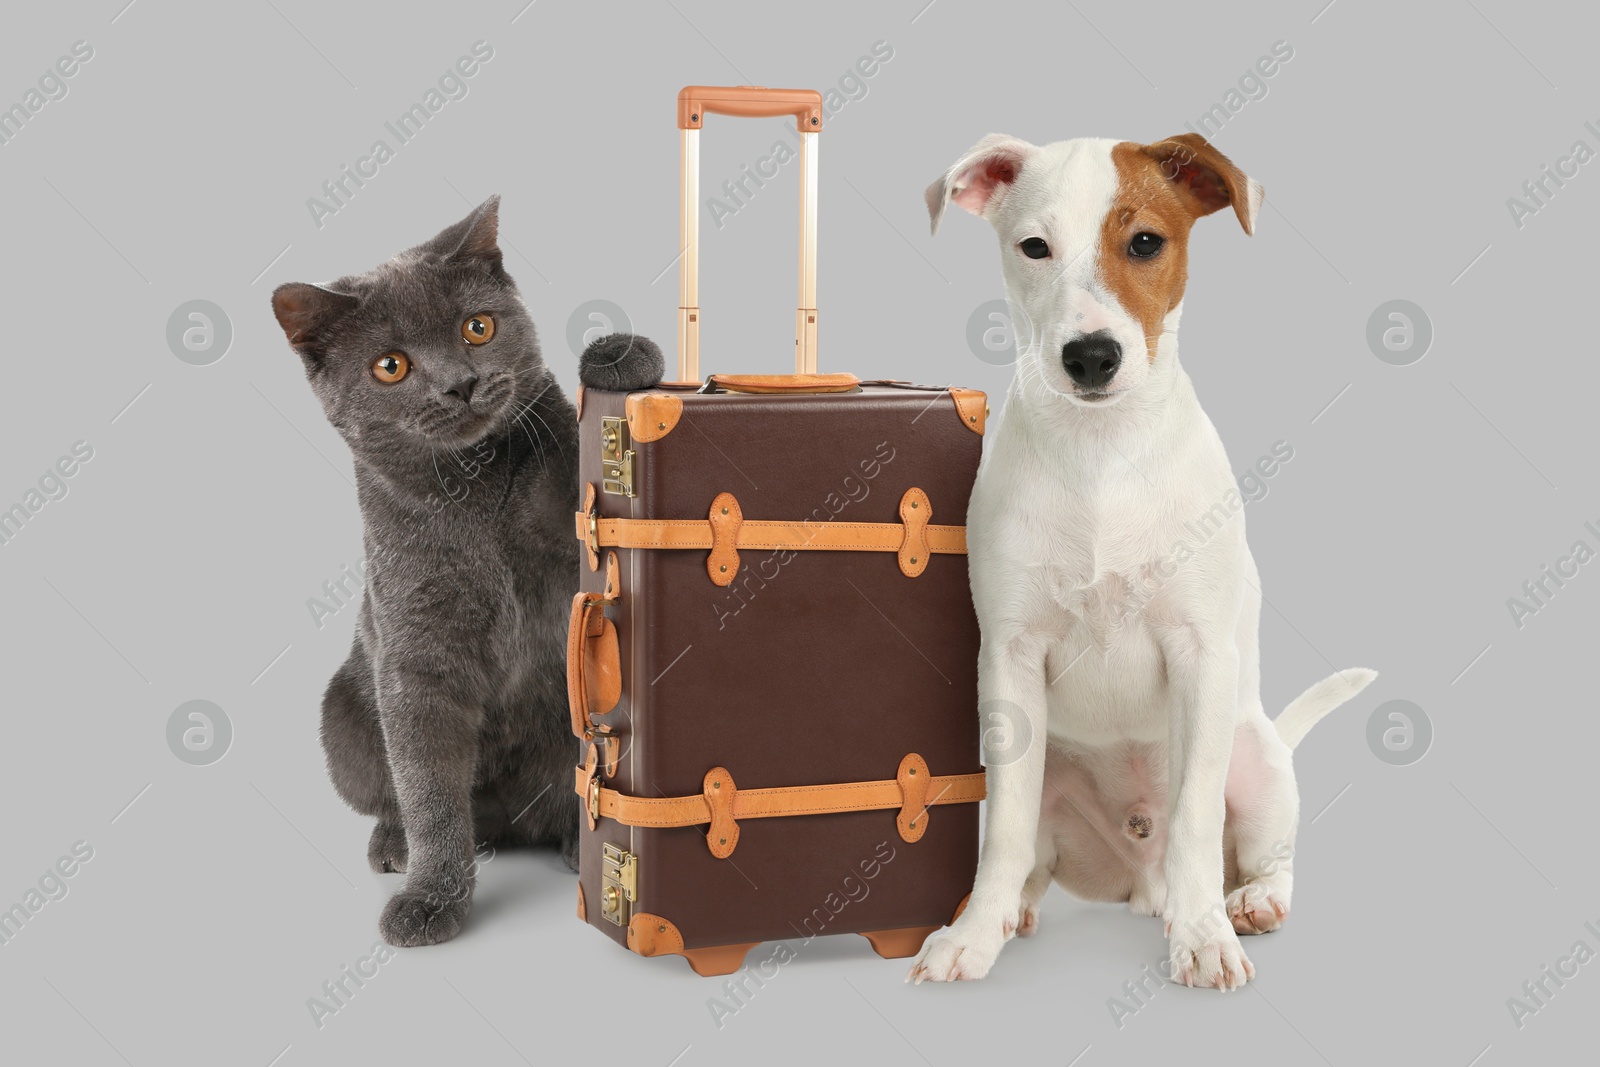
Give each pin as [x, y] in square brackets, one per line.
[1118, 600]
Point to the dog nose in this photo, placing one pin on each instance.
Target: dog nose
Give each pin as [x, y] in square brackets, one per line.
[1092, 360]
[462, 390]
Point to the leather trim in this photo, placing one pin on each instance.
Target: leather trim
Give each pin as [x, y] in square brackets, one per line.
[723, 835]
[725, 518]
[579, 406]
[775, 802]
[973, 407]
[786, 383]
[583, 909]
[915, 511]
[771, 534]
[651, 416]
[961, 907]
[913, 780]
[651, 935]
[586, 530]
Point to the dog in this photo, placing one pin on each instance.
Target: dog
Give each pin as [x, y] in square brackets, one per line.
[1118, 601]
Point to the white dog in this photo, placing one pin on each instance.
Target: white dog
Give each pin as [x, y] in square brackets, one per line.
[1118, 601]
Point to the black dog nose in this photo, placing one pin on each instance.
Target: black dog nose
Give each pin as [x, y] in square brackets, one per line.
[1092, 360]
[463, 389]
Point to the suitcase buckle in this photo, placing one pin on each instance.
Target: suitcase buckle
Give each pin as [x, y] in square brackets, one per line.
[594, 797]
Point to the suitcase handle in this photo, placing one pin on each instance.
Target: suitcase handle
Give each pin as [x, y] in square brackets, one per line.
[745, 101]
[786, 384]
[749, 101]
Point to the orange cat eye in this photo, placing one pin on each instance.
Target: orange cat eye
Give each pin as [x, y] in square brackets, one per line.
[478, 330]
[390, 368]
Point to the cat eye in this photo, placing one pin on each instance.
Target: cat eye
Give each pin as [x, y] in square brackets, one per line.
[1145, 245]
[390, 368]
[478, 330]
[1035, 248]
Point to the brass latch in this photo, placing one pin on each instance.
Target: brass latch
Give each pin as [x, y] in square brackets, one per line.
[619, 883]
[616, 458]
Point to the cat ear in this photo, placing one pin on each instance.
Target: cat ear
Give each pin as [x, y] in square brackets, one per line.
[473, 239]
[305, 312]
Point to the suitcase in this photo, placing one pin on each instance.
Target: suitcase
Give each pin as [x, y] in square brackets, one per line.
[773, 659]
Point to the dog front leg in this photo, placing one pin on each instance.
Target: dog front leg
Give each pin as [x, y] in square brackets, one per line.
[1205, 951]
[1011, 700]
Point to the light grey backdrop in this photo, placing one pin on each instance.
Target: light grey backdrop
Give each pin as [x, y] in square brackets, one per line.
[178, 565]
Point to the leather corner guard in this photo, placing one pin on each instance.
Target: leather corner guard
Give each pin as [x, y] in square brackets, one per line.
[583, 909]
[579, 406]
[726, 518]
[913, 779]
[651, 416]
[651, 935]
[973, 407]
[725, 538]
[723, 835]
[898, 944]
[594, 659]
[893, 794]
[961, 907]
[915, 511]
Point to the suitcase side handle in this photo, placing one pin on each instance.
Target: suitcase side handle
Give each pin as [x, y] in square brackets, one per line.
[694, 103]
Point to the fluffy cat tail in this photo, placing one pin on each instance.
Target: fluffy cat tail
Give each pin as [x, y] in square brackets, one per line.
[1307, 709]
[621, 363]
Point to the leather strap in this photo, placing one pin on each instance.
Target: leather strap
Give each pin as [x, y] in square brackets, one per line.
[890, 794]
[908, 538]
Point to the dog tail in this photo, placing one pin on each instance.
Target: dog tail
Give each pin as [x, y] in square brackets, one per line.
[1307, 709]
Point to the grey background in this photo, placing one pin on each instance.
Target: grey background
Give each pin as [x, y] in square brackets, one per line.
[178, 566]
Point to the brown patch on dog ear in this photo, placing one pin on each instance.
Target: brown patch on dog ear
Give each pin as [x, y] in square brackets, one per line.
[1145, 202]
[1206, 179]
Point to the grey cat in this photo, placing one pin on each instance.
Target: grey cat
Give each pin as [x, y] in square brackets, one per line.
[448, 723]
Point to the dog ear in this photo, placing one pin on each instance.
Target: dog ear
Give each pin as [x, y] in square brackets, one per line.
[1206, 179]
[980, 178]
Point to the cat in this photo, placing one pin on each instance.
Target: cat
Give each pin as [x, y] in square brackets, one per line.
[448, 723]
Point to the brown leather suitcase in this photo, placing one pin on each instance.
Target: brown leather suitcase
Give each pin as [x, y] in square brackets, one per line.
[774, 657]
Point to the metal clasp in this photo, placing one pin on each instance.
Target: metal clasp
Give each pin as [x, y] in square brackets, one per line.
[616, 458]
[619, 883]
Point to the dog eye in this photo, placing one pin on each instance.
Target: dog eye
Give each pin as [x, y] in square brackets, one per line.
[1034, 248]
[390, 368]
[1145, 245]
[478, 330]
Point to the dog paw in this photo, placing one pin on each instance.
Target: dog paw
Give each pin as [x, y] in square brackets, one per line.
[1214, 963]
[1027, 919]
[424, 917]
[1256, 909]
[386, 848]
[955, 954]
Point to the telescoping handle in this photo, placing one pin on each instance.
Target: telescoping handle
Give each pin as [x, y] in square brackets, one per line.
[746, 101]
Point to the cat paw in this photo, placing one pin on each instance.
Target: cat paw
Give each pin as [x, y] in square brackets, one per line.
[413, 918]
[386, 849]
